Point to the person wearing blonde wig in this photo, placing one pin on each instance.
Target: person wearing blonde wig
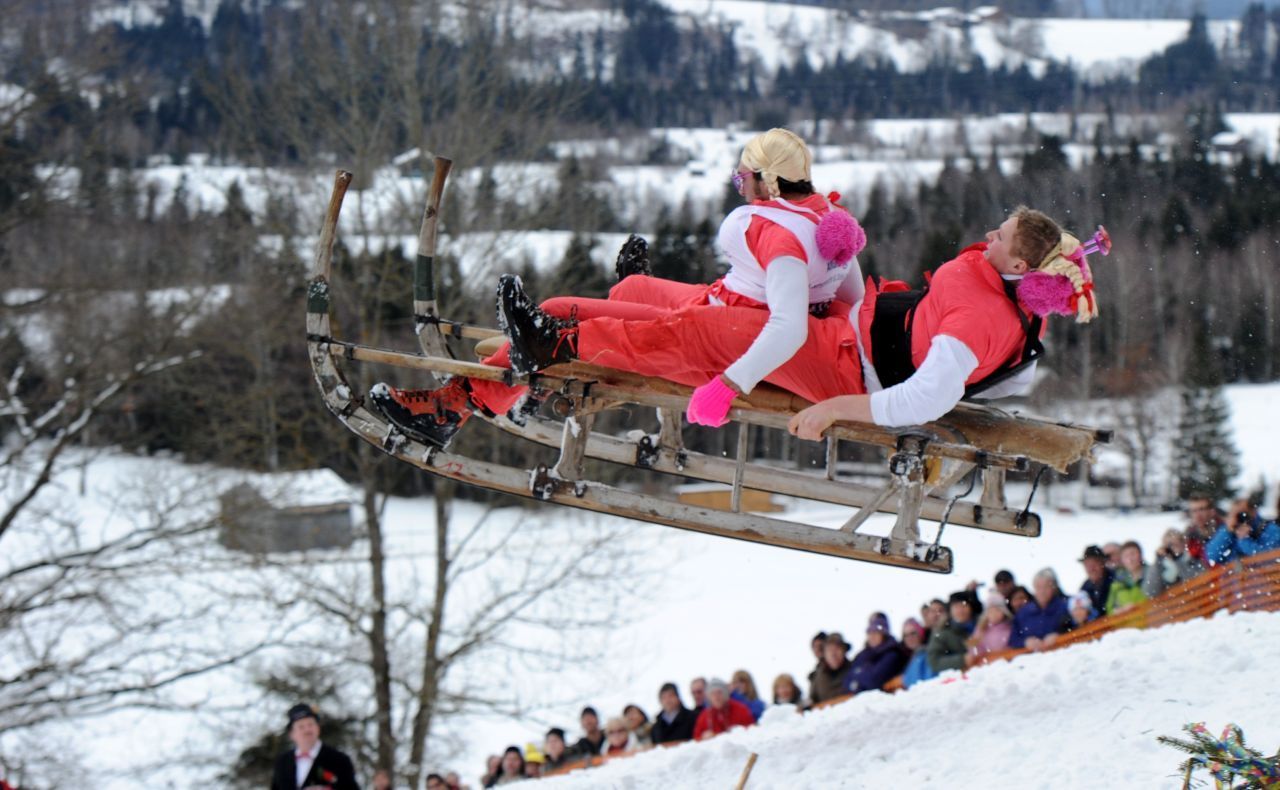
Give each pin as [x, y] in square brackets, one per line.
[792, 259]
[975, 330]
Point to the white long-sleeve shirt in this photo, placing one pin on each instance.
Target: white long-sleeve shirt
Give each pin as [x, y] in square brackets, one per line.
[936, 386]
[787, 294]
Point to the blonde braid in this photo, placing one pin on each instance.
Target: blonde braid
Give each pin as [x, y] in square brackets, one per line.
[1059, 262]
[777, 153]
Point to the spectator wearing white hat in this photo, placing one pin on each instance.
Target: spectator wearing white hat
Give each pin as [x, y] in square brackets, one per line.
[993, 630]
[722, 712]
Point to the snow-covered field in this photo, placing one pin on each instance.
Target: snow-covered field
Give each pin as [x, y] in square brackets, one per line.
[1087, 717]
[711, 606]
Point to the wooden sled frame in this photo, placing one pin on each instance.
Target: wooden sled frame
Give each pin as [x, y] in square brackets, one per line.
[926, 460]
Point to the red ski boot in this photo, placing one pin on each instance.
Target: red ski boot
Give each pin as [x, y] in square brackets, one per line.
[429, 416]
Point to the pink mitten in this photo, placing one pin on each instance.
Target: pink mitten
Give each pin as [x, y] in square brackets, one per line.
[710, 403]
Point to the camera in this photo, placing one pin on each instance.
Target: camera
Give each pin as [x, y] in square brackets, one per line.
[1242, 518]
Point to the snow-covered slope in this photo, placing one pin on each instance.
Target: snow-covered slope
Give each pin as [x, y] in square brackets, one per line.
[1087, 717]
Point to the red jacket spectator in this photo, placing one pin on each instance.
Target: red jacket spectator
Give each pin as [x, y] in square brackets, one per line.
[721, 712]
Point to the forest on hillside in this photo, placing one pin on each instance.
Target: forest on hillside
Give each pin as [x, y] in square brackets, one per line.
[1186, 295]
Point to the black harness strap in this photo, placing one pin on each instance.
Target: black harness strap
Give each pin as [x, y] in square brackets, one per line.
[891, 335]
[891, 339]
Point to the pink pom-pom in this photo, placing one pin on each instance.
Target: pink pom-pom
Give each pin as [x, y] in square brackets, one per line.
[1045, 293]
[840, 237]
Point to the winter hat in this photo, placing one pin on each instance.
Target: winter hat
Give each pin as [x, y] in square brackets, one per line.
[839, 236]
[879, 622]
[302, 711]
[778, 153]
[1062, 282]
[997, 601]
[912, 624]
[836, 638]
[533, 755]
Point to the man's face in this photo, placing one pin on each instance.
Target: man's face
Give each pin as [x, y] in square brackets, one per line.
[1005, 587]
[435, 783]
[590, 723]
[1201, 512]
[554, 746]
[669, 701]
[718, 697]
[960, 612]
[304, 733]
[1112, 550]
[1094, 568]
[698, 689]
[816, 646]
[833, 655]
[999, 249]
[937, 613]
[1132, 558]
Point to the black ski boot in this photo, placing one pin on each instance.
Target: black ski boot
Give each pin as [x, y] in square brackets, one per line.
[633, 258]
[428, 416]
[538, 339]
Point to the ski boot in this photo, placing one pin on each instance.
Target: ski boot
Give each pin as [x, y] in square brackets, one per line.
[538, 339]
[633, 258]
[428, 416]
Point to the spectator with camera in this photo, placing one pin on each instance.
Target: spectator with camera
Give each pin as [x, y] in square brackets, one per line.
[1243, 535]
[1173, 564]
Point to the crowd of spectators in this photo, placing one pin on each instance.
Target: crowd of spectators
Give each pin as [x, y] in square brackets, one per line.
[948, 635]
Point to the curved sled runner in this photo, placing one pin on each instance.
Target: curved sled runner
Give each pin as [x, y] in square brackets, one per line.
[926, 460]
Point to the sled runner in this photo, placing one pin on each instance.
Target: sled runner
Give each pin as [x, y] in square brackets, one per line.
[973, 443]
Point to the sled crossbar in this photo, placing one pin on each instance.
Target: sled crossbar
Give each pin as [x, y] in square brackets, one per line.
[671, 398]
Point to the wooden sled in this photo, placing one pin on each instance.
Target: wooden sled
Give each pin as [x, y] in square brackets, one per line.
[925, 462]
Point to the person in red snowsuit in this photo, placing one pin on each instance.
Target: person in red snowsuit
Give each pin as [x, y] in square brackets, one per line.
[792, 255]
[721, 714]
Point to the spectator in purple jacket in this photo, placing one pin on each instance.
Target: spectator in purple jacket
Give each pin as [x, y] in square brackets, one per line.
[880, 660]
[1037, 624]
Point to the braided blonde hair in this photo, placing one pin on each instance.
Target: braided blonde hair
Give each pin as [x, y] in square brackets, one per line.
[1038, 238]
[778, 153]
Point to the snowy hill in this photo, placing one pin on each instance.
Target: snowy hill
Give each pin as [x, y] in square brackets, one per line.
[1087, 717]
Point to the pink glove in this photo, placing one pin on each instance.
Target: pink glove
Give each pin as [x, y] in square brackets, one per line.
[710, 403]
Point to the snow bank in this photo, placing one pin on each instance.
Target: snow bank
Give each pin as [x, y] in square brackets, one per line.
[1084, 717]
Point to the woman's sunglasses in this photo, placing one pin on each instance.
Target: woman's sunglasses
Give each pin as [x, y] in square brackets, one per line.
[739, 179]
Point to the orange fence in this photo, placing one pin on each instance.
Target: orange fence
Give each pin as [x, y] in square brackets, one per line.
[1251, 584]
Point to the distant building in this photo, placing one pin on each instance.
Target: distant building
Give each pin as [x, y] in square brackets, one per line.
[313, 514]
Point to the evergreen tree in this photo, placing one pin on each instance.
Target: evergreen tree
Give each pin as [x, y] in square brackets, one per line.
[1205, 456]
[578, 273]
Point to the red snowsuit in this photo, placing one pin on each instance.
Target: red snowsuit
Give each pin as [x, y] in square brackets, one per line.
[966, 300]
[734, 714]
[640, 326]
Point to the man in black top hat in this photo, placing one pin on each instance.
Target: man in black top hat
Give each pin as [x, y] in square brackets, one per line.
[310, 763]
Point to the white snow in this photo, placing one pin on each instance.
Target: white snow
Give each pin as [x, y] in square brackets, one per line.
[1086, 717]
